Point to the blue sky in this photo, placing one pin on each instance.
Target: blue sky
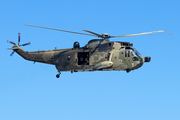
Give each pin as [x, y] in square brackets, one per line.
[31, 91]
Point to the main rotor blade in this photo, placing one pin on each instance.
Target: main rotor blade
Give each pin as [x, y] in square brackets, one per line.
[11, 42]
[138, 34]
[159, 34]
[59, 30]
[12, 53]
[25, 44]
[93, 33]
[98, 35]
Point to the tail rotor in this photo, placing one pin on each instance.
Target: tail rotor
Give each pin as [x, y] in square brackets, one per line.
[17, 44]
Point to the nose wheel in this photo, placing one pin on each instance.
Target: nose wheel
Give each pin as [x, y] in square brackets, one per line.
[58, 75]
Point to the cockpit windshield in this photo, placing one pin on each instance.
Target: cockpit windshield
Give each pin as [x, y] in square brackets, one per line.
[132, 53]
[135, 52]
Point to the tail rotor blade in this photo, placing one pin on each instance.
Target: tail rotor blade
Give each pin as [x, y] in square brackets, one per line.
[16, 46]
[18, 38]
[25, 44]
[10, 42]
[12, 53]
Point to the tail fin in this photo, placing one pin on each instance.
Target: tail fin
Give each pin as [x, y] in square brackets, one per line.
[19, 51]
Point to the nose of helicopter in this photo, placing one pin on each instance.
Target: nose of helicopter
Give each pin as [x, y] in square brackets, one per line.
[138, 63]
[142, 60]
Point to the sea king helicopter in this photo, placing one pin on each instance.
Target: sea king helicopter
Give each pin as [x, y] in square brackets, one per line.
[97, 55]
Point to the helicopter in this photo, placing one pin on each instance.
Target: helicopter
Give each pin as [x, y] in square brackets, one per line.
[97, 55]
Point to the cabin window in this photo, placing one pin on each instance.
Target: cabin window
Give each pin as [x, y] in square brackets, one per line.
[96, 57]
[68, 57]
[108, 56]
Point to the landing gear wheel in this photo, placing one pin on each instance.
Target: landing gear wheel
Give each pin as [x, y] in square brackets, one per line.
[57, 75]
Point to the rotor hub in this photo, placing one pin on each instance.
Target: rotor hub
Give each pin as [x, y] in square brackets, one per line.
[105, 35]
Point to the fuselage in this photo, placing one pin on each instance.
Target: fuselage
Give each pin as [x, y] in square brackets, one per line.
[95, 56]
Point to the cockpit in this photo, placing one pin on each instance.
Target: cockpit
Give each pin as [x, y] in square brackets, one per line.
[131, 52]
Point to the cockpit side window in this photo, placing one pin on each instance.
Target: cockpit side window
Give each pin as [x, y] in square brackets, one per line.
[127, 53]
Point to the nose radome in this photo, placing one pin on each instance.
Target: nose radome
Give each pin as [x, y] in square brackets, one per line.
[147, 59]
